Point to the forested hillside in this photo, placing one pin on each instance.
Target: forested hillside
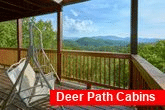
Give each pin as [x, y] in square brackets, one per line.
[154, 53]
[152, 50]
[8, 33]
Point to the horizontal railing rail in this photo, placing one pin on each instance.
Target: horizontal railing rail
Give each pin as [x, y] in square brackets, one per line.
[112, 70]
[96, 68]
[8, 56]
[98, 54]
[146, 77]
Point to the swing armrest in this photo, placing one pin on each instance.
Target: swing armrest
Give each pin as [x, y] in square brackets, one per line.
[15, 64]
[32, 88]
[42, 67]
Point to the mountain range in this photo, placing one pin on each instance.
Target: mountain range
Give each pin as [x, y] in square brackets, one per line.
[127, 39]
[98, 41]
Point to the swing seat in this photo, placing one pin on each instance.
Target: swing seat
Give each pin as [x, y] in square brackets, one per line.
[33, 89]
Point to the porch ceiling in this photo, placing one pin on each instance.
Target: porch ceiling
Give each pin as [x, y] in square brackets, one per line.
[14, 9]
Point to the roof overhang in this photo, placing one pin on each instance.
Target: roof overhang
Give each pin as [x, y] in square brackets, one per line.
[15, 9]
[69, 2]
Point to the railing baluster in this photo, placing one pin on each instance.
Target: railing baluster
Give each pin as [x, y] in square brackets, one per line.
[100, 70]
[49, 55]
[114, 73]
[63, 65]
[69, 57]
[119, 72]
[56, 61]
[109, 71]
[84, 69]
[73, 65]
[91, 68]
[138, 75]
[143, 83]
[67, 65]
[90, 73]
[140, 81]
[76, 65]
[105, 70]
[87, 68]
[124, 75]
[96, 74]
[80, 66]
[135, 78]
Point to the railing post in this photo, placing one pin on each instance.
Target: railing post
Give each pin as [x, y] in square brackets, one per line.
[134, 26]
[134, 36]
[59, 41]
[19, 38]
[88, 86]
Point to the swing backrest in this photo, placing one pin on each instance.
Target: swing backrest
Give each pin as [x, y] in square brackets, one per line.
[28, 81]
[29, 75]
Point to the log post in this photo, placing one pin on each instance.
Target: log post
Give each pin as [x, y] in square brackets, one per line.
[134, 37]
[134, 26]
[88, 86]
[19, 38]
[59, 41]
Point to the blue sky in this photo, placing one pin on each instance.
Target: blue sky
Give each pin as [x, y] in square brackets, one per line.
[111, 17]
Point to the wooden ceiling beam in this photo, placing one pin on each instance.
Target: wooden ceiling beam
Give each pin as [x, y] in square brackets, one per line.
[43, 4]
[14, 5]
[69, 2]
[11, 10]
[15, 9]
[21, 3]
[29, 14]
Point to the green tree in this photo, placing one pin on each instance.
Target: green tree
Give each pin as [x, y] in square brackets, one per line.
[48, 33]
[154, 53]
[8, 34]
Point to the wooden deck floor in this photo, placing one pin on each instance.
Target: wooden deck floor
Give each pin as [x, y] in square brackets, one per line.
[6, 85]
[75, 85]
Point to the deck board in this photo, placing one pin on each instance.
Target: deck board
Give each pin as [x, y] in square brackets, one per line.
[5, 87]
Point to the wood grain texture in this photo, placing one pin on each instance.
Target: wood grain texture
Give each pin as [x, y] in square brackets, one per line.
[151, 75]
[15, 9]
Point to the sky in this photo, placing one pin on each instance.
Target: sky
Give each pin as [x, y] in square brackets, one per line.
[111, 17]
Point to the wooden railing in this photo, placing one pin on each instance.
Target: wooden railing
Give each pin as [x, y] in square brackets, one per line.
[112, 70]
[103, 68]
[8, 56]
[146, 77]
[97, 68]
[93, 68]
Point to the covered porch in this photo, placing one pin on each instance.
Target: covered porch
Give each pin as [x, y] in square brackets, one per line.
[89, 69]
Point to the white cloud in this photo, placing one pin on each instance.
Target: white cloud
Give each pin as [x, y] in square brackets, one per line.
[152, 18]
[100, 6]
[78, 26]
[74, 13]
[152, 12]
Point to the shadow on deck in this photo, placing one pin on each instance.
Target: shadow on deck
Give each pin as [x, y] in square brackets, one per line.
[6, 85]
[67, 84]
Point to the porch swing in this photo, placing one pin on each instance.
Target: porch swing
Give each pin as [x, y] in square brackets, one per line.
[33, 76]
